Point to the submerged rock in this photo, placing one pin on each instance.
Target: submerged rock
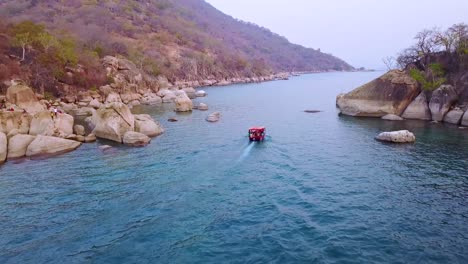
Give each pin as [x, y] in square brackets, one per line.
[213, 117]
[202, 107]
[392, 117]
[402, 136]
[312, 111]
[90, 138]
[388, 94]
[200, 93]
[45, 145]
[172, 119]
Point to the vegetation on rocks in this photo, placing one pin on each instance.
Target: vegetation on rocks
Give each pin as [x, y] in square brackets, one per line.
[56, 46]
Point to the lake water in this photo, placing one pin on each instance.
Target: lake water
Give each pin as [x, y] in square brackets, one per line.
[319, 190]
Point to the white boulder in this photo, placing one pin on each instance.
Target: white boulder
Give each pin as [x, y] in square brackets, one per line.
[402, 136]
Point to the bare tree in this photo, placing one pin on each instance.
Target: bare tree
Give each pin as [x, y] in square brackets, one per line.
[390, 62]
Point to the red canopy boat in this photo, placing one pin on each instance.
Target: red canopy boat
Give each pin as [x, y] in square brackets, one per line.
[257, 133]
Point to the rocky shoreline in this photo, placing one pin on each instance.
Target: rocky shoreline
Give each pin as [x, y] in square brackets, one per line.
[397, 96]
[33, 126]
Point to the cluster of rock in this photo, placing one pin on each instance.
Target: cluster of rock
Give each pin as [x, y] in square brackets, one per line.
[397, 96]
[28, 128]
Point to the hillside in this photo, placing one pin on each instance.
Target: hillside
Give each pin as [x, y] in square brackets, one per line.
[182, 40]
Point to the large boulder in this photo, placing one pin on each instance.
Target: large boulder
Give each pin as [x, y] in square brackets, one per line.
[200, 93]
[191, 93]
[44, 145]
[454, 116]
[146, 125]
[113, 121]
[17, 145]
[14, 120]
[183, 102]
[24, 97]
[113, 98]
[402, 136]
[464, 121]
[136, 139]
[167, 96]
[3, 147]
[79, 130]
[47, 124]
[389, 94]
[418, 109]
[441, 101]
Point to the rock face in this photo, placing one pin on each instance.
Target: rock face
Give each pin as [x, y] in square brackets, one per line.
[113, 121]
[136, 139]
[17, 145]
[388, 94]
[14, 120]
[392, 117]
[24, 97]
[167, 96]
[418, 109]
[183, 102]
[44, 145]
[3, 147]
[441, 101]
[454, 116]
[146, 125]
[213, 117]
[402, 136]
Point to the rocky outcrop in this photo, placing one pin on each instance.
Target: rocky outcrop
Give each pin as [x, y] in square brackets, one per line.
[14, 120]
[388, 94]
[113, 121]
[24, 97]
[402, 136]
[44, 145]
[3, 147]
[146, 125]
[17, 145]
[135, 139]
[418, 109]
[183, 102]
[213, 117]
[454, 116]
[392, 117]
[442, 99]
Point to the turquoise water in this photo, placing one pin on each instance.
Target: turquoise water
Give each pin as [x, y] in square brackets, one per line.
[319, 190]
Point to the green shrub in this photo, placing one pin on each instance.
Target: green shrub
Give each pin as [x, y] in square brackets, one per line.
[438, 78]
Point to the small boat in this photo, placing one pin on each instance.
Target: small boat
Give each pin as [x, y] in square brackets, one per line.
[257, 133]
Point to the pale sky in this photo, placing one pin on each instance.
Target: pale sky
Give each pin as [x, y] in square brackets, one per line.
[361, 32]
